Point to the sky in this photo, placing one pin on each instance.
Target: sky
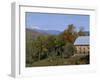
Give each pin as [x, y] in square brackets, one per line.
[52, 21]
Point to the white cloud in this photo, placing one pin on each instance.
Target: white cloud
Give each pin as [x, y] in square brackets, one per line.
[34, 27]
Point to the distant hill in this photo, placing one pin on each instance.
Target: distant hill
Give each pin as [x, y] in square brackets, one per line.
[86, 33]
[32, 34]
[50, 32]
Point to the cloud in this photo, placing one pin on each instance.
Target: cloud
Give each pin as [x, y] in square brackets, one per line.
[35, 27]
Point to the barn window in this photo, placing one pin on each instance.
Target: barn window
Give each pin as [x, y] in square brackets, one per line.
[80, 49]
[84, 50]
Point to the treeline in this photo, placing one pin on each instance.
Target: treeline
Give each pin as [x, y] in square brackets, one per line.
[51, 46]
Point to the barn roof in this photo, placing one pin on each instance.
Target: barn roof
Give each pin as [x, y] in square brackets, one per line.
[82, 40]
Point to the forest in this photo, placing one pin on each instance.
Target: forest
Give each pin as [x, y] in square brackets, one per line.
[53, 50]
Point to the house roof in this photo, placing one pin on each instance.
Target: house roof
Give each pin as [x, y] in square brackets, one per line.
[82, 40]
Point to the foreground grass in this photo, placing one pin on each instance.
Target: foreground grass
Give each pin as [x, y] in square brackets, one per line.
[73, 60]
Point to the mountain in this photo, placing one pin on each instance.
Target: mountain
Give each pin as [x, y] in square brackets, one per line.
[32, 34]
[86, 33]
[50, 32]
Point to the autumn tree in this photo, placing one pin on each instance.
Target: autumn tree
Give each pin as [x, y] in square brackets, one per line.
[70, 34]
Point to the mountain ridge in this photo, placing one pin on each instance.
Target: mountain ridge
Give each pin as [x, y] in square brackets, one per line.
[49, 32]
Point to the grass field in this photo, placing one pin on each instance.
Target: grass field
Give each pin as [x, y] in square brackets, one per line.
[58, 61]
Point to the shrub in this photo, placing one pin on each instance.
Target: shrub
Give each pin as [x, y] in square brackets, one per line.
[69, 50]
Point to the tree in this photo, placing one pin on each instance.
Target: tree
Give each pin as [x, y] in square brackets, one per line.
[70, 34]
[42, 47]
[29, 51]
[39, 46]
[59, 43]
[69, 50]
[81, 32]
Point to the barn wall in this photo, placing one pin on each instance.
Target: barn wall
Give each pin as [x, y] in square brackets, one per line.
[82, 49]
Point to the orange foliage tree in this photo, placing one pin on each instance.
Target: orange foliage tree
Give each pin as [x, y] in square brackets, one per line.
[70, 34]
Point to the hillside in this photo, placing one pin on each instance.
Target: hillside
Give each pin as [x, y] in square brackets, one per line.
[32, 34]
[50, 32]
